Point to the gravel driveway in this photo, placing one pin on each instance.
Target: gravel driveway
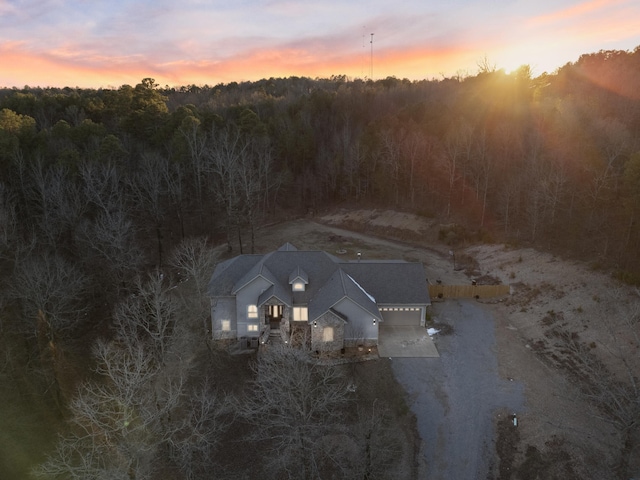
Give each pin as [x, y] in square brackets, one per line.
[456, 396]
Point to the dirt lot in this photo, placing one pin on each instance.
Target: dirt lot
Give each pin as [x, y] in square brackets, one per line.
[555, 305]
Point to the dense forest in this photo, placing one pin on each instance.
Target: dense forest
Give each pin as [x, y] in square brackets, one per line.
[109, 198]
[551, 160]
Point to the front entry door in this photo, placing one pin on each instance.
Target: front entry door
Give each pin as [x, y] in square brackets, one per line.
[274, 315]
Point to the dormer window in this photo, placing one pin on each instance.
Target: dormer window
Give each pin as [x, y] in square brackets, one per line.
[298, 279]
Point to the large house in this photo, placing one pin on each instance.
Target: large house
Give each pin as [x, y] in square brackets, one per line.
[314, 298]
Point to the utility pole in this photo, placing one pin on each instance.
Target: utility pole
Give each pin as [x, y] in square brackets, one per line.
[371, 62]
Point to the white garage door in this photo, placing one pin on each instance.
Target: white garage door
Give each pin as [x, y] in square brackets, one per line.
[401, 316]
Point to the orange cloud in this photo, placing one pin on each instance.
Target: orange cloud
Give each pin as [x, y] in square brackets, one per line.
[415, 63]
[577, 11]
[66, 68]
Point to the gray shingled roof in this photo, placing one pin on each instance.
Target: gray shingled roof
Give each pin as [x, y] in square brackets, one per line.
[227, 274]
[317, 265]
[340, 286]
[329, 279]
[259, 269]
[277, 291]
[299, 273]
[391, 282]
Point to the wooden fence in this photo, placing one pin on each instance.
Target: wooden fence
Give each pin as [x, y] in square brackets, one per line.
[468, 291]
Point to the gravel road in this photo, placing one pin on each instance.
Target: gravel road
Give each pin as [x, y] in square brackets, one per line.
[456, 396]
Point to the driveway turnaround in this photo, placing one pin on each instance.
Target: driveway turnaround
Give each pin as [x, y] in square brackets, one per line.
[408, 342]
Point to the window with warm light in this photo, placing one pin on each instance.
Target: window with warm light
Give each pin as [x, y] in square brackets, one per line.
[226, 325]
[300, 314]
[252, 328]
[327, 334]
[298, 286]
[252, 311]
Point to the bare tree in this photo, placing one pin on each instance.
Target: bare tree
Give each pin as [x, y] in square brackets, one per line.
[253, 174]
[391, 153]
[137, 417]
[174, 178]
[458, 144]
[102, 186]
[119, 422]
[149, 317]
[196, 142]
[148, 189]
[111, 237]
[207, 415]
[57, 202]
[195, 259]
[225, 156]
[49, 284]
[294, 403]
[414, 150]
[380, 444]
[8, 220]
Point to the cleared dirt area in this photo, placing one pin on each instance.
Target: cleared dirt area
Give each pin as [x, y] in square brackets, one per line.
[558, 310]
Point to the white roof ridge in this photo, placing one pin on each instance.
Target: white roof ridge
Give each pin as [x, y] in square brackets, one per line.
[360, 287]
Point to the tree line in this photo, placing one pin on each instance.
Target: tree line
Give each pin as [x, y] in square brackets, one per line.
[551, 160]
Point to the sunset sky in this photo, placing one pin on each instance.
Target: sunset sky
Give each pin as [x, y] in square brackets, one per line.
[98, 43]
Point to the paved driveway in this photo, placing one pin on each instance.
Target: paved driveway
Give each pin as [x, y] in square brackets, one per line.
[456, 396]
[402, 341]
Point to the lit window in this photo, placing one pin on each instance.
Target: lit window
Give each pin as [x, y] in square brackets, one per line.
[300, 314]
[226, 325]
[327, 334]
[252, 311]
[252, 328]
[298, 286]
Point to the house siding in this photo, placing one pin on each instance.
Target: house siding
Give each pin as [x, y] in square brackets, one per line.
[248, 295]
[360, 329]
[223, 308]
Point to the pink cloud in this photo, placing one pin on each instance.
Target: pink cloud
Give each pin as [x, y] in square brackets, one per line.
[578, 10]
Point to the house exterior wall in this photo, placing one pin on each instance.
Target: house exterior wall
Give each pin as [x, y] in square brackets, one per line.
[246, 296]
[223, 308]
[317, 331]
[360, 328]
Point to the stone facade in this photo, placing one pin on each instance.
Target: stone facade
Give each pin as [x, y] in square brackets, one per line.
[327, 333]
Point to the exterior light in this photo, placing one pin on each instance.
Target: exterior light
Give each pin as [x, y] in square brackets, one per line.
[315, 324]
[374, 321]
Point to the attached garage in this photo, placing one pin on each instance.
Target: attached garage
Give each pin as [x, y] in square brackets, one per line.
[402, 316]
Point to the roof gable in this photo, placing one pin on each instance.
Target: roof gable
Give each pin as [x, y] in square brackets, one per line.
[258, 270]
[275, 291]
[228, 273]
[338, 287]
[299, 273]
